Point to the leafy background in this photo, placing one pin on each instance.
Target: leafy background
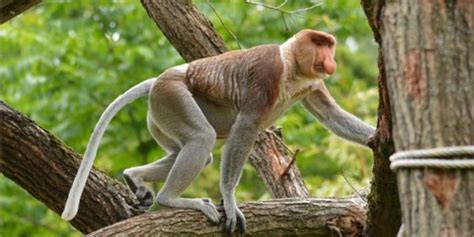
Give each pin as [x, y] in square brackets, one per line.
[62, 62]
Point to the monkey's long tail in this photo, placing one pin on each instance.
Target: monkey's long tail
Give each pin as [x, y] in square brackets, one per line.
[72, 203]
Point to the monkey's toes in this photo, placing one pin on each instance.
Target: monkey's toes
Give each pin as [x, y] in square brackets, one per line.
[241, 222]
[210, 211]
[235, 221]
[145, 197]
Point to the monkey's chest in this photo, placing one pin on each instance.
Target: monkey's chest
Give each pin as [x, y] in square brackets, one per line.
[289, 95]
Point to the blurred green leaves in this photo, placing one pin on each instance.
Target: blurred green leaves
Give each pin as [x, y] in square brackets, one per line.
[63, 62]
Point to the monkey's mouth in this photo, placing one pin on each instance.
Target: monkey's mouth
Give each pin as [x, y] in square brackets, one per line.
[320, 71]
[319, 68]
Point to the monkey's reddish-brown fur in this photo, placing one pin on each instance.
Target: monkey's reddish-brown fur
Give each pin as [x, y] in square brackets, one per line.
[226, 79]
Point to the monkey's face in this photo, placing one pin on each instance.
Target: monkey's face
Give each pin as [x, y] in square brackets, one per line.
[314, 53]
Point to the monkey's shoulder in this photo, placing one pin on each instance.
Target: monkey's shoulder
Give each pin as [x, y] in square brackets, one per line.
[241, 56]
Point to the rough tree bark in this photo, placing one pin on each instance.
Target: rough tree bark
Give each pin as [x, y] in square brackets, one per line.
[194, 36]
[427, 48]
[279, 217]
[383, 217]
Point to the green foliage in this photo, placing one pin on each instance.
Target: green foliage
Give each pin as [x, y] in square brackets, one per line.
[62, 63]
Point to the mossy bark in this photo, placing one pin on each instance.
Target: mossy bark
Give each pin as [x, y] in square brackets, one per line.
[384, 215]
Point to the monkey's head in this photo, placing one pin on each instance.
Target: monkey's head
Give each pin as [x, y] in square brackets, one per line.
[314, 53]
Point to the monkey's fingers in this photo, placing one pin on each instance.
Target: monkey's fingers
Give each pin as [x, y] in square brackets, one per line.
[230, 220]
[230, 224]
[241, 222]
[210, 211]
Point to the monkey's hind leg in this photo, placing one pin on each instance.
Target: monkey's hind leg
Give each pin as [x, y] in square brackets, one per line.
[156, 171]
[177, 114]
[136, 176]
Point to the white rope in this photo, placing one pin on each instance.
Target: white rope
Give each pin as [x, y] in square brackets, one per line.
[424, 158]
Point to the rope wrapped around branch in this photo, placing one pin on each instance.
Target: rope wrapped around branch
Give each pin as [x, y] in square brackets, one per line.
[433, 158]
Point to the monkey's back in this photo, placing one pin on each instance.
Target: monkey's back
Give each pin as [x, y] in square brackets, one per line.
[223, 79]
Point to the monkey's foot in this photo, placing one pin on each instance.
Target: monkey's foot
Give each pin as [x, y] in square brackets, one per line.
[204, 205]
[144, 195]
[210, 211]
[235, 220]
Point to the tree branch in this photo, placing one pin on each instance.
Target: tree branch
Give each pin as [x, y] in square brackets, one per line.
[187, 29]
[278, 8]
[280, 217]
[271, 158]
[223, 24]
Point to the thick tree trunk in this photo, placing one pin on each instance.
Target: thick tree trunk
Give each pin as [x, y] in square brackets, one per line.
[195, 37]
[430, 69]
[279, 217]
[384, 216]
[437, 202]
[46, 167]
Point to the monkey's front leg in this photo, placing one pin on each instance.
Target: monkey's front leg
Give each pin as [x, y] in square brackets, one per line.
[238, 147]
[321, 104]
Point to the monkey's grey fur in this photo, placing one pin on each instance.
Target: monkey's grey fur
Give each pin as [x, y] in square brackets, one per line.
[234, 95]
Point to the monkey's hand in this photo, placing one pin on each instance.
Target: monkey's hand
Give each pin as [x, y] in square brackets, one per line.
[234, 218]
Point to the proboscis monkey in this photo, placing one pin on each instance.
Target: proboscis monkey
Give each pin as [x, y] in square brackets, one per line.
[234, 95]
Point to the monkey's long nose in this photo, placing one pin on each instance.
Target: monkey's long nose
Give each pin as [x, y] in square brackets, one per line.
[329, 66]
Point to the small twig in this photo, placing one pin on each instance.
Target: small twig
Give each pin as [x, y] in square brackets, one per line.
[283, 4]
[293, 159]
[225, 26]
[284, 13]
[305, 9]
[353, 188]
[287, 27]
[278, 8]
